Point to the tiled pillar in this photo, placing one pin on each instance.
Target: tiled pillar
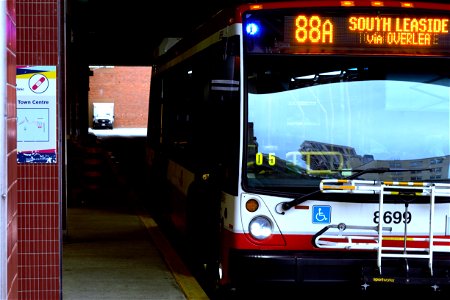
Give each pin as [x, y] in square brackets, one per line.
[38, 184]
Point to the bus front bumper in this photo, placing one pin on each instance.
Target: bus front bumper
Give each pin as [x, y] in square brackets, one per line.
[335, 268]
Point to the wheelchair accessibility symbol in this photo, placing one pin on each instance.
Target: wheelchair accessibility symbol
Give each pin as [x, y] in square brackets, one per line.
[321, 214]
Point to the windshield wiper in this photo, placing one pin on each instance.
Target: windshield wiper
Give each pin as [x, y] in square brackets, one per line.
[298, 200]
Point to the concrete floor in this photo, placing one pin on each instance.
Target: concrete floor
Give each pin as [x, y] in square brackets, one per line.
[110, 255]
[113, 249]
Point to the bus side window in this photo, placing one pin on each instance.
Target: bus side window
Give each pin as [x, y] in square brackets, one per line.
[177, 105]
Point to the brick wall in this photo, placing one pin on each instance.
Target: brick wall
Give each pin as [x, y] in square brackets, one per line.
[128, 88]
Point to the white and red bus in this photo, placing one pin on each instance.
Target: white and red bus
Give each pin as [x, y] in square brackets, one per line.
[308, 142]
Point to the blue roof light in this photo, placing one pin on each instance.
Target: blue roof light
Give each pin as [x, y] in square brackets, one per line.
[252, 29]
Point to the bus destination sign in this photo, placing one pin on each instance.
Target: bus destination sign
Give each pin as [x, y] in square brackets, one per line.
[316, 33]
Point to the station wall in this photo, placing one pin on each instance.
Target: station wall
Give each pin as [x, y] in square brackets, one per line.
[128, 87]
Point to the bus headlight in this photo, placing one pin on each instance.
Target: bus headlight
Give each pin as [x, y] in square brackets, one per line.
[260, 227]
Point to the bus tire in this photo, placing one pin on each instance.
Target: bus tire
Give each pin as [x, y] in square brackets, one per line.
[202, 235]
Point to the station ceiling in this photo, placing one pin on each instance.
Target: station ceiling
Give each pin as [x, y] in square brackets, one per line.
[126, 32]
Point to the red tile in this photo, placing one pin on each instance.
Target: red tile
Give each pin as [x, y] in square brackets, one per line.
[40, 273]
[11, 101]
[10, 35]
[42, 234]
[13, 284]
[11, 9]
[12, 264]
[11, 136]
[12, 163]
[40, 259]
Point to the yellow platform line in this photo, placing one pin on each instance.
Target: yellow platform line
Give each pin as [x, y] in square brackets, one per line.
[189, 285]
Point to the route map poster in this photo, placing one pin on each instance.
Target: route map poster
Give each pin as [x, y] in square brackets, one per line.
[36, 114]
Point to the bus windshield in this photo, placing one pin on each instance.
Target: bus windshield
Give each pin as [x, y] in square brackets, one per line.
[312, 117]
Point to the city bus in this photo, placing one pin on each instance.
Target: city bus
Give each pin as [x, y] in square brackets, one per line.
[307, 143]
